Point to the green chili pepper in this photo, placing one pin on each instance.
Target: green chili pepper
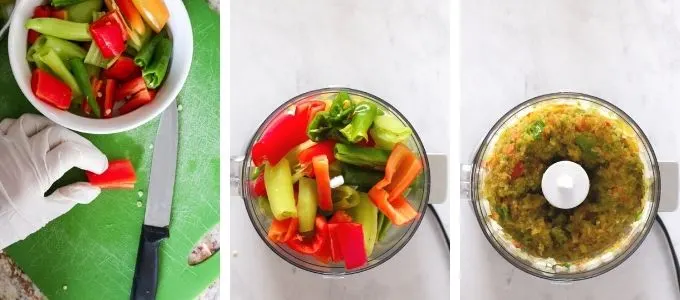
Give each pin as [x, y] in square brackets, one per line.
[52, 60]
[384, 226]
[279, 184]
[39, 63]
[144, 56]
[64, 49]
[83, 80]
[362, 178]
[255, 172]
[536, 129]
[35, 48]
[387, 131]
[82, 12]
[366, 214]
[307, 203]
[264, 206]
[327, 125]
[586, 143]
[344, 197]
[341, 109]
[60, 3]
[361, 156]
[357, 129]
[155, 72]
[67, 30]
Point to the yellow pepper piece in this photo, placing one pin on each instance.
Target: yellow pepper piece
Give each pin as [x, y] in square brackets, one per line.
[154, 12]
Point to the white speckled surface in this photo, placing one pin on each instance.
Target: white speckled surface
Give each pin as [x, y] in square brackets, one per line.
[627, 52]
[397, 50]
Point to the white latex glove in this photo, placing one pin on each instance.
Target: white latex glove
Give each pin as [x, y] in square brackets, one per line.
[34, 153]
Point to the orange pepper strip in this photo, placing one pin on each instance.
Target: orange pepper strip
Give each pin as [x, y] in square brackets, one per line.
[282, 231]
[402, 168]
[154, 12]
[323, 182]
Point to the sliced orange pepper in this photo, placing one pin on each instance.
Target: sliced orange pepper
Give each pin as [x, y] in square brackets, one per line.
[323, 182]
[154, 12]
[283, 231]
[403, 166]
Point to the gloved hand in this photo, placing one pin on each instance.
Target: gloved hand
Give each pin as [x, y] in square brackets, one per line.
[34, 153]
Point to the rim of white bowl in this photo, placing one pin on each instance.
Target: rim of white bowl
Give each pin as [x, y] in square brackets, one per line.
[178, 27]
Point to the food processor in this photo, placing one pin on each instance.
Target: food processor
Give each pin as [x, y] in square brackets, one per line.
[429, 187]
[565, 185]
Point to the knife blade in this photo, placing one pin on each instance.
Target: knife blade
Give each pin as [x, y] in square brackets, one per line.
[159, 204]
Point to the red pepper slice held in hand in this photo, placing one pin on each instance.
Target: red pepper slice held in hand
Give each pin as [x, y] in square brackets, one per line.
[403, 166]
[120, 174]
[282, 231]
[311, 245]
[123, 69]
[109, 34]
[50, 90]
[348, 239]
[323, 182]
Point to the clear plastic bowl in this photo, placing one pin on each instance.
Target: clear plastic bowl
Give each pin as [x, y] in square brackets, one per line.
[396, 238]
[545, 267]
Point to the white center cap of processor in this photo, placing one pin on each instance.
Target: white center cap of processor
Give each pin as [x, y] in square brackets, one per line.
[565, 184]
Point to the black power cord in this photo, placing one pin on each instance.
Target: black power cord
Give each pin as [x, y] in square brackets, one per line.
[670, 244]
[441, 225]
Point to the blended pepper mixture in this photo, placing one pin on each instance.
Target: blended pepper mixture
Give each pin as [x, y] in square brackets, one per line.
[553, 133]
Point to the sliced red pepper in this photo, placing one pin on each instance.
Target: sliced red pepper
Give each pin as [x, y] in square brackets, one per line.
[282, 231]
[309, 108]
[403, 166]
[107, 103]
[123, 69]
[311, 245]
[140, 99]
[321, 148]
[96, 88]
[257, 186]
[109, 34]
[130, 88]
[120, 174]
[340, 216]
[152, 94]
[50, 90]
[323, 182]
[132, 16]
[282, 135]
[32, 36]
[517, 170]
[59, 14]
[348, 239]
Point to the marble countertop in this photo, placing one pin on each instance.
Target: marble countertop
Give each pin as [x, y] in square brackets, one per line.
[397, 50]
[627, 52]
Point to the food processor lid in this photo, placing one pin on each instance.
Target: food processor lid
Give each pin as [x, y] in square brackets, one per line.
[565, 185]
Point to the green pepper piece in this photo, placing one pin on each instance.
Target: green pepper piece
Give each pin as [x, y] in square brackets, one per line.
[144, 56]
[362, 178]
[255, 172]
[344, 197]
[384, 227]
[503, 212]
[82, 12]
[361, 156]
[155, 72]
[366, 214]
[387, 131]
[279, 184]
[83, 80]
[536, 129]
[307, 204]
[586, 143]
[342, 108]
[62, 29]
[264, 206]
[61, 3]
[52, 60]
[357, 129]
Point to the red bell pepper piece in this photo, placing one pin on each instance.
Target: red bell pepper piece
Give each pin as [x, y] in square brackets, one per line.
[283, 231]
[109, 34]
[120, 174]
[107, 103]
[348, 239]
[258, 187]
[50, 90]
[311, 245]
[123, 69]
[42, 11]
[340, 216]
[284, 133]
[321, 148]
[323, 182]
[130, 88]
[402, 168]
[309, 108]
[140, 99]
[152, 94]
[59, 14]
[132, 16]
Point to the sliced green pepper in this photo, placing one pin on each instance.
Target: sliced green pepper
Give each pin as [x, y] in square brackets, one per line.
[357, 129]
[361, 156]
[387, 131]
[82, 12]
[366, 214]
[362, 178]
[306, 205]
[384, 226]
[279, 184]
[344, 197]
[83, 80]
[327, 125]
[264, 206]
[67, 30]
[144, 56]
[155, 72]
[536, 129]
[52, 60]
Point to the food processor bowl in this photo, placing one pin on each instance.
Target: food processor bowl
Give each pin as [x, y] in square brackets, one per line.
[397, 236]
[547, 267]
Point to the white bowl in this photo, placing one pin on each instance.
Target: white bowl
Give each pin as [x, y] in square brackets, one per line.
[179, 28]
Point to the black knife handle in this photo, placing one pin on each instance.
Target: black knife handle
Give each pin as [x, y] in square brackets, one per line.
[146, 271]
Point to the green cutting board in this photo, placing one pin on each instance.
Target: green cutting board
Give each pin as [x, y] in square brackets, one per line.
[90, 252]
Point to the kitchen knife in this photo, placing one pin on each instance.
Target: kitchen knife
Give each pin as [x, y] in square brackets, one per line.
[159, 201]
